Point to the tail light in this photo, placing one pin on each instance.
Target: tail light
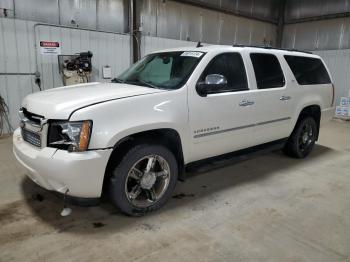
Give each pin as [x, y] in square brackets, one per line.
[333, 95]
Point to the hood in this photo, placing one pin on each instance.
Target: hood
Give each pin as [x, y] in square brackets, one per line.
[59, 103]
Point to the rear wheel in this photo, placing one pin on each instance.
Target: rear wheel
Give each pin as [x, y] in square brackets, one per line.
[144, 180]
[303, 138]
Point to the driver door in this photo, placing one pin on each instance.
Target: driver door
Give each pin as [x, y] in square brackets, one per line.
[222, 121]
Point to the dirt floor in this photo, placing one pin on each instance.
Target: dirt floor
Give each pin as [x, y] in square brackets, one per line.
[270, 208]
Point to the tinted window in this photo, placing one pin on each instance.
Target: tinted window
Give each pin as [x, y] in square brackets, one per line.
[231, 66]
[267, 70]
[308, 70]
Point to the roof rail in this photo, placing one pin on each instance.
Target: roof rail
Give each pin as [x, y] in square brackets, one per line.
[199, 44]
[270, 47]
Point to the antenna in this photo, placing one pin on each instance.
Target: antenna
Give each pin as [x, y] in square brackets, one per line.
[199, 44]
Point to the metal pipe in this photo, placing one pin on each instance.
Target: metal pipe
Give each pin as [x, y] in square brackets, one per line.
[80, 28]
[17, 74]
[317, 18]
[131, 29]
[280, 25]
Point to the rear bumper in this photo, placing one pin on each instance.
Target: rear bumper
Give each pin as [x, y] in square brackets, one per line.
[81, 174]
[327, 114]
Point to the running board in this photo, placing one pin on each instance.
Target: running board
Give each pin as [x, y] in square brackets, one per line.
[212, 163]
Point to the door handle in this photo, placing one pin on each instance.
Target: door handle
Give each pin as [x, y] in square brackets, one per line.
[285, 98]
[246, 103]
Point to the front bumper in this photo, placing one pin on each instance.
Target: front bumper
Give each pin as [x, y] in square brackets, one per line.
[58, 170]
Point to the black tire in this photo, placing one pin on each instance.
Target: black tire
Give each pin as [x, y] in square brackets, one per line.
[298, 145]
[118, 187]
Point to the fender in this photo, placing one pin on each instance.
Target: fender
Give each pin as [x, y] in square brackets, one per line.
[117, 119]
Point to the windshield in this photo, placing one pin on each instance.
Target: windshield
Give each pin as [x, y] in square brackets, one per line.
[162, 70]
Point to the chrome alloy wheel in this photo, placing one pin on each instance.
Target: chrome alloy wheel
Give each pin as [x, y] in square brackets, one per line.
[147, 181]
[306, 137]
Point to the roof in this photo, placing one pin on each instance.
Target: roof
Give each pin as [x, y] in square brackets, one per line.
[266, 49]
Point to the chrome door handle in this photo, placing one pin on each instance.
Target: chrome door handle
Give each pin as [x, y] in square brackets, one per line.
[246, 103]
[285, 98]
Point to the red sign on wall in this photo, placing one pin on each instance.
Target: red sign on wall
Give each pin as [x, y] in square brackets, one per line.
[50, 48]
[49, 44]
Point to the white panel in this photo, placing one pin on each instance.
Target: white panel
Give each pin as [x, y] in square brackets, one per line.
[243, 31]
[151, 44]
[72, 41]
[112, 15]
[318, 35]
[171, 19]
[18, 55]
[10, 46]
[13, 89]
[80, 13]
[338, 62]
[45, 11]
[6, 4]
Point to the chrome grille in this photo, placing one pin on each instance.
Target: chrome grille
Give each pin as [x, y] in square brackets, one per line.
[31, 137]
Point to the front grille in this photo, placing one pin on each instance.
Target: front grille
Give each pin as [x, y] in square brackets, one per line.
[31, 137]
[34, 118]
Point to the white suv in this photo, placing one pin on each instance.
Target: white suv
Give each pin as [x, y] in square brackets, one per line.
[134, 138]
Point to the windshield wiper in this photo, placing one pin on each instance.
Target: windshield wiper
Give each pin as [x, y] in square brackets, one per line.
[141, 82]
[148, 84]
[117, 80]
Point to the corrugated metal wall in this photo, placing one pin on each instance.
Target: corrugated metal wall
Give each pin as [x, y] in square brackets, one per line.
[338, 62]
[18, 55]
[263, 9]
[108, 49]
[150, 44]
[318, 35]
[169, 19]
[297, 9]
[103, 15]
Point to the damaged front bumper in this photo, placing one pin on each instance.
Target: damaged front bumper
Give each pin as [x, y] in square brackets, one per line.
[57, 170]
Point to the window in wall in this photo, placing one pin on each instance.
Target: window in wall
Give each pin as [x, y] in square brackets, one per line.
[268, 71]
[308, 70]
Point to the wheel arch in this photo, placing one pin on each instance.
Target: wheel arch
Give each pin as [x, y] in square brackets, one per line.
[310, 111]
[165, 136]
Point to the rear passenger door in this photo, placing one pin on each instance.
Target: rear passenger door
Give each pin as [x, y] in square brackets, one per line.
[273, 99]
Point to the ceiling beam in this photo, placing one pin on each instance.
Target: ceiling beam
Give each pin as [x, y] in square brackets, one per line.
[317, 18]
[226, 11]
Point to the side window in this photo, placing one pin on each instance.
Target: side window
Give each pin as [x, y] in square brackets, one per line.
[231, 66]
[268, 71]
[308, 70]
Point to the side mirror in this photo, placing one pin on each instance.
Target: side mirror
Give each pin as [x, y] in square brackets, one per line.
[212, 84]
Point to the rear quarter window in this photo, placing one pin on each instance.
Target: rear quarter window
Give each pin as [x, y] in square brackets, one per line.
[308, 70]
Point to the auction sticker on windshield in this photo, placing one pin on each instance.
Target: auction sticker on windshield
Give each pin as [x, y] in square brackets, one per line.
[192, 54]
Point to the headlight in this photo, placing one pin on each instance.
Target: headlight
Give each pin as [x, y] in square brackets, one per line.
[71, 136]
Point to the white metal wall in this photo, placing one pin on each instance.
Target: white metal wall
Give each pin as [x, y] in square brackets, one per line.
[108, 49]
[174, 20]
[318, 35]
[19, 59]
[150, 44]
[103, 15]
[338, 62]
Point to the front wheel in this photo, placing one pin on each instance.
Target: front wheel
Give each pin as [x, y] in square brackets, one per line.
[144, 180]
[303, 138]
